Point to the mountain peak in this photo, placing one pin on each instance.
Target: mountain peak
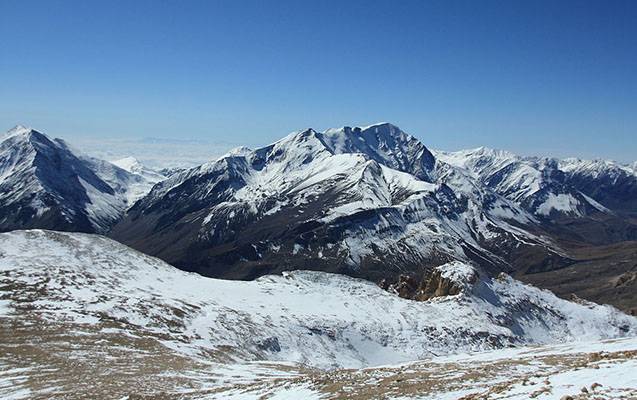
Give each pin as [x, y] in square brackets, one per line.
[30, 137]
[382, 126]
[239, 151]
[488, 151]
[127, 163]
[16, 131]
[19, 129]
[384, 143]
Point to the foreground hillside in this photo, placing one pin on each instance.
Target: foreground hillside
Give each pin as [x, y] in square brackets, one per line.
[594, 370]
[83, 313]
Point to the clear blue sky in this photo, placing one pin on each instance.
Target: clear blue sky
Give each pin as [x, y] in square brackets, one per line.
[547, 77]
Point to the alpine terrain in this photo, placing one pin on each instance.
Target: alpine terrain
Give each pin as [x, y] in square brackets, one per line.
[83, 315]
[44, 183]
[376, 203]
[356, 264]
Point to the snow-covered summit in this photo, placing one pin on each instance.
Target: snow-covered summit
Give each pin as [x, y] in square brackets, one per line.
[16, 130]
[358, 196]
[384, 143]
[548, 186]
[132, 165]
[237, 151]
[46, 183]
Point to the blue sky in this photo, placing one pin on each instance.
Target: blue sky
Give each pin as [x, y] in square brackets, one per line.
[554, 77]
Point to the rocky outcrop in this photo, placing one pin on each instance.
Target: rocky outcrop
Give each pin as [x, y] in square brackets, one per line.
[447, 280]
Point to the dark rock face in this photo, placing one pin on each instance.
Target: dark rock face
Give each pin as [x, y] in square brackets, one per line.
[434, 283]
[270, 344]
[616, 190]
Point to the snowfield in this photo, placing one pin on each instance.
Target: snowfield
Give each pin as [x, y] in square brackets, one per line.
[62, 293]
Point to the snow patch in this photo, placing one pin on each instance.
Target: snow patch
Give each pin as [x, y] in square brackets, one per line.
[565, 203]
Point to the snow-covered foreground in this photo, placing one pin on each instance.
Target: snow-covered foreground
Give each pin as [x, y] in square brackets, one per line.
[593, 370]
[81, 313]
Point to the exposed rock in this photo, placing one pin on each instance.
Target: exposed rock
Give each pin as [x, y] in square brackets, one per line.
[626, 279]
[447, 280]
[270, 344]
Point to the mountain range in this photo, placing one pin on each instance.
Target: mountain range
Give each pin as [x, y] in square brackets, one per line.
[369, 202]
[361, 264]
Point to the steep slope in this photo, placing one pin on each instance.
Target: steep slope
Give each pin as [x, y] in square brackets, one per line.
[46, 184]
[611, 184]
[368, 202]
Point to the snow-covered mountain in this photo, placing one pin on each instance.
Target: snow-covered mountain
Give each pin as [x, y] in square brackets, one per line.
[369, 202]
[94, 286]
[44, 183]
[146, 177]
[132, 165]
[551, 187]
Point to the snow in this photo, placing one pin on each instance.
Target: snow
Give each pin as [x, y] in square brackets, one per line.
[457, 271]
[527, 180]
[16, 131]
[132, 165]
[353, 170]
[102, 207]
[565, 203]
[319, 319]
[127, 163]
[85, 283]
[596, 204]
[30, 181]
[5, 307]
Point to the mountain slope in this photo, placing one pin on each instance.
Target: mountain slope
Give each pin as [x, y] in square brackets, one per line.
[81, 314]
[587, 207]
[313, 318]
[46, 184]
[596, 370]
[144, 178]
[369, 202]
[548, 186]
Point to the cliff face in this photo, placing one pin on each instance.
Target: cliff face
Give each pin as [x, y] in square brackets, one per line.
[440, 284]
[445, 280]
